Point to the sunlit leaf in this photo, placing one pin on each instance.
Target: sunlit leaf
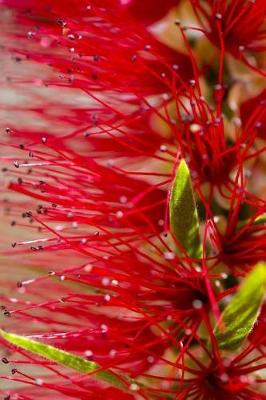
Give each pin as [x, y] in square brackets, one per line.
[261, 219]
[184, 220]
[239, 317]
[64, 358]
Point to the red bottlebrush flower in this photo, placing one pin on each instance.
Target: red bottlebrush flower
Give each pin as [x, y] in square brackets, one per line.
[245, 247]
[228, 378]
[236, 26]
[90, 172]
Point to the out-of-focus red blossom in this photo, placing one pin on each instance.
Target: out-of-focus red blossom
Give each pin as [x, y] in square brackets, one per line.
[148, 11]
[114, 286]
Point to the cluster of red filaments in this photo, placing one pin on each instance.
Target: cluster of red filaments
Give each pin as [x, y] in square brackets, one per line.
[111, 95]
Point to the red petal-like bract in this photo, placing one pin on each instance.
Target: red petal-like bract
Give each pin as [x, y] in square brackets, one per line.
[107, 110]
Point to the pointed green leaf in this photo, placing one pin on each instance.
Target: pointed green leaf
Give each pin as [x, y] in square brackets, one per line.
[184, 220]
[64, 358]
[261, 219]
[239, 317]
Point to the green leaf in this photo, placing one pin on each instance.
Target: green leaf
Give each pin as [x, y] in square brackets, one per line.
[260, 220]
[239, 317]
[184, 220]
[64, 358]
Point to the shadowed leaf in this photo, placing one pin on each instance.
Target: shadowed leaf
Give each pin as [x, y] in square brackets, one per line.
[239, 316]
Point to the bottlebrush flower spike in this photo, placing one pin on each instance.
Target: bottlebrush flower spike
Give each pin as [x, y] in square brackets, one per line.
[236, 26]
[245, 246]
[92, 151]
